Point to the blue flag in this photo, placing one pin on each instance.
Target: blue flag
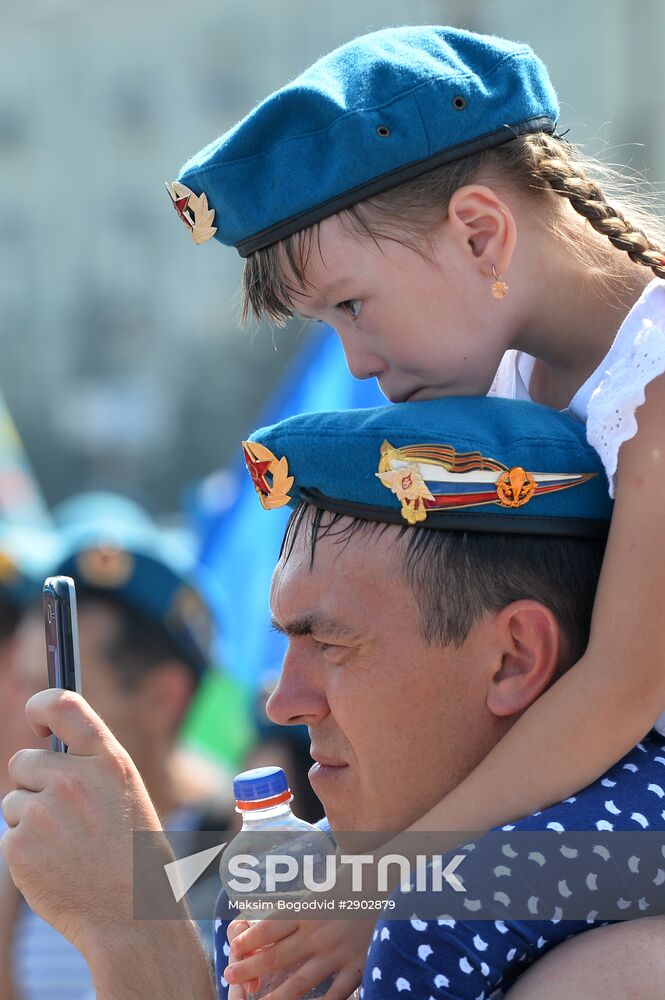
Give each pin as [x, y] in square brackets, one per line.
[240, 547]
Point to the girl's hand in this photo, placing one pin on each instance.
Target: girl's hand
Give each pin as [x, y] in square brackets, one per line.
[238, 992]
[317, 948]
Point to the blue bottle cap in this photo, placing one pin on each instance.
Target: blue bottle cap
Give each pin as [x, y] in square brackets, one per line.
[260, 784]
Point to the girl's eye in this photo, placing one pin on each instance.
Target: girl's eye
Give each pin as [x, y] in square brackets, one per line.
[351, 307]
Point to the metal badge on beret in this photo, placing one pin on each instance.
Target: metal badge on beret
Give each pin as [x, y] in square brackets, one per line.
[105, 566]
[261, 463]
[435, 477]
[193, 210]
[8, 569]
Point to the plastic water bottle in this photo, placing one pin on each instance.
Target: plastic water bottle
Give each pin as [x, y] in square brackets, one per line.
[263, 798]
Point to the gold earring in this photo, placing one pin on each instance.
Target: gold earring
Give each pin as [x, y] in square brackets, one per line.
[499, 288]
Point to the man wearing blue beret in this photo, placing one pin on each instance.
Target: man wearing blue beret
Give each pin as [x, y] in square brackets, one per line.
[145, 636]
[437, 575]
[441, 631]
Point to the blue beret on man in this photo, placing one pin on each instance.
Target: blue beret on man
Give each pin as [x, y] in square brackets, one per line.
[459, 463]
[112, 547]
[373, 113]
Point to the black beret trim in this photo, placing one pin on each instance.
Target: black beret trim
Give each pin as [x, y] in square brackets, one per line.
[286, 227]
[512, 524]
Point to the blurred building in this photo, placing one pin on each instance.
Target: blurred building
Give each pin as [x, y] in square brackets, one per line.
[122, 357]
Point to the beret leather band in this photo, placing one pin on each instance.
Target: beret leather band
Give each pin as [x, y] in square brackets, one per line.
[376, 185]
[559, 527]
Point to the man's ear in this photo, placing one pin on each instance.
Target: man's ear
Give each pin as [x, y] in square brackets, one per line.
[483, 226]
[529, 637]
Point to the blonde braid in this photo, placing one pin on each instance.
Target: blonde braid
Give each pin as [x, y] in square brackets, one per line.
[554, 162]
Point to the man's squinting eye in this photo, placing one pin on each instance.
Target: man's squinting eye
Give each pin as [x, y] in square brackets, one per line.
[331, 650]
[351, 307]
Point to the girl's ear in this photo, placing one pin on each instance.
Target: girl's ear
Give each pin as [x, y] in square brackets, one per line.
[484, 227]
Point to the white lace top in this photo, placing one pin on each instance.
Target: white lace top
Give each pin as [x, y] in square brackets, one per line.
[607, 401]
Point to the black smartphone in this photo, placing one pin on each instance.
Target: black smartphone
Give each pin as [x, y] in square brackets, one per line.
[62, 639]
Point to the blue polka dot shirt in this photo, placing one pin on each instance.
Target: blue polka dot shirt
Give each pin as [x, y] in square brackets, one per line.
[466, 958]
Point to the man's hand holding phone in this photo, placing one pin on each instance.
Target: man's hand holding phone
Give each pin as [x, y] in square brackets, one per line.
[70, 818]
[69, 849]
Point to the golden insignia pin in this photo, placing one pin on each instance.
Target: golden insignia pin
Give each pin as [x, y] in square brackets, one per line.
[105, 566]
[407, 483]
[8, 569]
[429, 477]
[261, 463]
[193, 210]
[515, 487]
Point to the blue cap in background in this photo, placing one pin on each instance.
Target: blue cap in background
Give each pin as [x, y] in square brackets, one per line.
[110, 545]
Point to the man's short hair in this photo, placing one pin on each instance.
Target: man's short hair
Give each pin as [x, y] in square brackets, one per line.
[457, 576]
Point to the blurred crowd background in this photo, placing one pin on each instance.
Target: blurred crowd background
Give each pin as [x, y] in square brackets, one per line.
[123, 364]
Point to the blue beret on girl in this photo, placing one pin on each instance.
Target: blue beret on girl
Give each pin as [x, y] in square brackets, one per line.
[377, 111]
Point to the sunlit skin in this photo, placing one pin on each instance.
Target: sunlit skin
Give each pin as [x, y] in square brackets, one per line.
[611, 963]
[143, 717]
[69, 849]
[102, 689]
[356, 653]
[395, 319]
[382, 704]
[94, 796]
[14, 729]
[426, 324]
